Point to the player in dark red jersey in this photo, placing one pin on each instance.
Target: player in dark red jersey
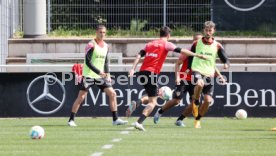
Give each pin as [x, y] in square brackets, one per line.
[155, 53]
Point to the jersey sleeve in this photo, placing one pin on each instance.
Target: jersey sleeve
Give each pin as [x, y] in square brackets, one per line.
[170, 46]
[89, 46]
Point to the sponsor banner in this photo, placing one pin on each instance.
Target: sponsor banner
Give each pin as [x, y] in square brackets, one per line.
[53, 94]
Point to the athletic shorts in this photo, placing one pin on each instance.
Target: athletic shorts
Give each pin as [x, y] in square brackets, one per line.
[101, 83]
[208, 88]
[149, 81]
[184, 87]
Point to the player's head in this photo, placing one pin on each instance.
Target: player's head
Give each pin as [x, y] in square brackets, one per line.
[100, 32]
[197, 36]
[165, 32]
[209, 29]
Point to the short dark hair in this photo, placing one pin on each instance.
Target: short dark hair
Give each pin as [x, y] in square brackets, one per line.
[165, 31]
[100, 27]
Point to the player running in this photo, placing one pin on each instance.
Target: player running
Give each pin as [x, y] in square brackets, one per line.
[203, 70]
[155, 53]
[96, 72]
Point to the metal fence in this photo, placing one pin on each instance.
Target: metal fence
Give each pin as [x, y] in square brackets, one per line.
[125, 14]
[10, 21]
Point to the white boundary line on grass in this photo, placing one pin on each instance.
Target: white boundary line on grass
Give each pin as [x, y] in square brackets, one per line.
[97, 154]
[116, 140]
[109, 146]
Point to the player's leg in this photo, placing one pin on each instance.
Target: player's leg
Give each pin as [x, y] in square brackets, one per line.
[197, 91]
[208, 93]
[150, 84]
[146, 112]
[84, 86]
[205, 105]
[189, 88]
[110, 92]
[135, 104]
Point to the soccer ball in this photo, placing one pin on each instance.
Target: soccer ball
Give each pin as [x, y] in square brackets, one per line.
[241, 114]
[37, 132]
[165, 93]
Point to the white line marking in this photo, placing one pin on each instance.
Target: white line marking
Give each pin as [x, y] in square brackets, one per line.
[117, 140]
[219, 96]
[129, 128]
[97, 154]
[125, 132]
[108, 146]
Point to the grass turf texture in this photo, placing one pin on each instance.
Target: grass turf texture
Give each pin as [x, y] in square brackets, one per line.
[217, 137]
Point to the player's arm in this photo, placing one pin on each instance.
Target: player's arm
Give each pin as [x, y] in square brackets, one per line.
[176, 70]
[189, 53]
[90, 64]
[106, 66]
[223, 57]
[171, 47]
[218, 74]
[141, 54]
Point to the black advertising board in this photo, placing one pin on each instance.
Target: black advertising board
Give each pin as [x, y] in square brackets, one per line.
[41, 95]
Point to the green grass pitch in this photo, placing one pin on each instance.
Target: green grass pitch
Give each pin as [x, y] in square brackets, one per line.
[217, 137]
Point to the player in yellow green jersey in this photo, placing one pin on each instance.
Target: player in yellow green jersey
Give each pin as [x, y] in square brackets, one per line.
[96, 72]
[203, 70]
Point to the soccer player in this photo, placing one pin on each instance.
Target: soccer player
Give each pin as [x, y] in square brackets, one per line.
[96, 72]
[183, 85]
[203, 70]
[155, 53]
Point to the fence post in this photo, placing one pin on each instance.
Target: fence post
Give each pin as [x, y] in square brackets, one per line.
[164, 13]
[49, 16]
[212, 10]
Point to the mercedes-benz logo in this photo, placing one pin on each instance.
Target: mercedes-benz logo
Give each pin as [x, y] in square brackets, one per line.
[244, 9]
[46, 95]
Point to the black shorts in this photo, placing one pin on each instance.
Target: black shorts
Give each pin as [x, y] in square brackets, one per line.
[149, 81]
[87, 82]
[184, 87]
[208, 88]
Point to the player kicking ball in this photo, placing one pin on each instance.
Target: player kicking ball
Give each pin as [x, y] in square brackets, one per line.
[155, 53]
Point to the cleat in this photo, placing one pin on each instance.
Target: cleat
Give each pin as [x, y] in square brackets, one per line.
[197, 124]
[139, 126]
[131, 108]
[179, 123]
[119, 122]
[273, 129]
[71, 123]
[156, 116]
[194, 109]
